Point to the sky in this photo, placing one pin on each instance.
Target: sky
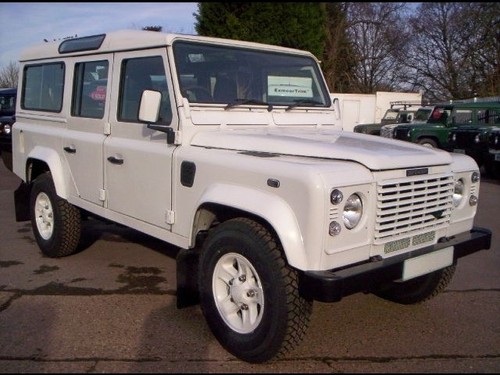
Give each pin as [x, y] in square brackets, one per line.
[28, 24]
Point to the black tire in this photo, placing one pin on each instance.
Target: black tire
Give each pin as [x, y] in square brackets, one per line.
[428, 142]
[56, 223]
[277, 316]
[419, 289]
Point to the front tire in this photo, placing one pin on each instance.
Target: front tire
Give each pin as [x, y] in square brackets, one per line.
[419, 289]
[428, 142]
[249, 295]
[56, 223]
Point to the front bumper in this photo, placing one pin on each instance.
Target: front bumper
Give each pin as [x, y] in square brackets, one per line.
[331, 286]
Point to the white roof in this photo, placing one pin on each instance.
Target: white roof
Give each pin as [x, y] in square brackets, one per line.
[124, 40]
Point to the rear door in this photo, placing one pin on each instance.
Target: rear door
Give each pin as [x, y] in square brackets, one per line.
[87, 125]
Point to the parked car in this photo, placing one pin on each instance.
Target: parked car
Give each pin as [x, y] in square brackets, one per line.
[493, 157]
[421, 116]
[400, 112]
[435, 133]
[472, 140]
[7, 119]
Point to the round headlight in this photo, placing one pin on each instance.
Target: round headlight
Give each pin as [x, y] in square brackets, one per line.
[458, 193]
[353, 210]
[475, 177]
[477, 138]
[453, 137]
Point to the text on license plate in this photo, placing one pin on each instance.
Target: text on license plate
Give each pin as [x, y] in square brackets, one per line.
[427, 263]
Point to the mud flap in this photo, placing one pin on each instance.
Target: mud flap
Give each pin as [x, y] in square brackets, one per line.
[21, 202]
[187, 278]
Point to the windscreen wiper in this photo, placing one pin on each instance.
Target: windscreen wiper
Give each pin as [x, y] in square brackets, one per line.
[238, 102]
[304, 102]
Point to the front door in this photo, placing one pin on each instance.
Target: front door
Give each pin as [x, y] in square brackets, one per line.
[138, 160]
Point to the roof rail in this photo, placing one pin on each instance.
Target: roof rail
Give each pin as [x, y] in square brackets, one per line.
[406, 103]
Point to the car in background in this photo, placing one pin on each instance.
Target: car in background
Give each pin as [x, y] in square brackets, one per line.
[493, 157]
[421, 116]
[400, 112]
[7, 118]
[444, 119]
[472, 140]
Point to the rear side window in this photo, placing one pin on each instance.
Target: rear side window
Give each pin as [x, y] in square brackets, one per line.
[89, 89]
[488, 116]
[43, 87]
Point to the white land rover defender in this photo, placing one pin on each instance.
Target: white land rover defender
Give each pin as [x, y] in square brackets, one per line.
[230, 151]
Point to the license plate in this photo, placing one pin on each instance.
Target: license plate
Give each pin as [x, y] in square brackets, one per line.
[427, 263]
[497, 157]
[459, 151]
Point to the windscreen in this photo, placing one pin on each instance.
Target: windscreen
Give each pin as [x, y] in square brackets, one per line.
[210, 73]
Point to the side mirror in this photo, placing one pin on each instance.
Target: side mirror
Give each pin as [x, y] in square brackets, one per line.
[149, 108]
[149, 112]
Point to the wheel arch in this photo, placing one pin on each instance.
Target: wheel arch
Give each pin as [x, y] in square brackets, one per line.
[222, 202]
[43, 159]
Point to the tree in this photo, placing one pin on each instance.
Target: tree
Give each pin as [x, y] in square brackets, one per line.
[295, 25]
[9, 75]
[338, 61]
[378, 38]
[455, 50]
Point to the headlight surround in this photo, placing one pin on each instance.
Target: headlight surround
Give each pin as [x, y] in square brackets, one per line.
[458, 192]
[353, 211]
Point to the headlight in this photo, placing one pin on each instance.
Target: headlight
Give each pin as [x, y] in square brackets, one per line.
[477, 139]
[6, 129]
[458, 192]
[353, 210]
[453, 137]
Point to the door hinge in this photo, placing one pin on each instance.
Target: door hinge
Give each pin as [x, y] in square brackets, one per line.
[102, 195]
[169, 217]
[107, 128]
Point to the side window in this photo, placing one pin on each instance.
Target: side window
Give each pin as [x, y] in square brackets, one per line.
[89, 89]
[137, 75]
[463, 116]
[43, 87]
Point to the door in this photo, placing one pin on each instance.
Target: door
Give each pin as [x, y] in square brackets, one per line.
[86, 128]
[138, 160]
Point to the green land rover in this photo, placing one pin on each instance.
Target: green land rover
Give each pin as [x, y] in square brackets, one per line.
[444, 119]
[472, 140]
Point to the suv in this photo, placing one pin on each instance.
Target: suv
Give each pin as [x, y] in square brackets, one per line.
[473, 139]
[7, 119]
[231, 151]
[493, 157]
[393, 115]
[422, 115]
[435, 133]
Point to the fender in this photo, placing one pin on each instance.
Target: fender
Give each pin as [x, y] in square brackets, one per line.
[271, 208]
[52, 159]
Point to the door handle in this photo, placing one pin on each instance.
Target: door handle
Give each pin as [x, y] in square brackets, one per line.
[115, 160]
[70, 149]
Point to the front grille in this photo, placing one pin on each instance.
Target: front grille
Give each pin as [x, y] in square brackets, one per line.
[387, 133]
[464, 139]
[409, 206]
